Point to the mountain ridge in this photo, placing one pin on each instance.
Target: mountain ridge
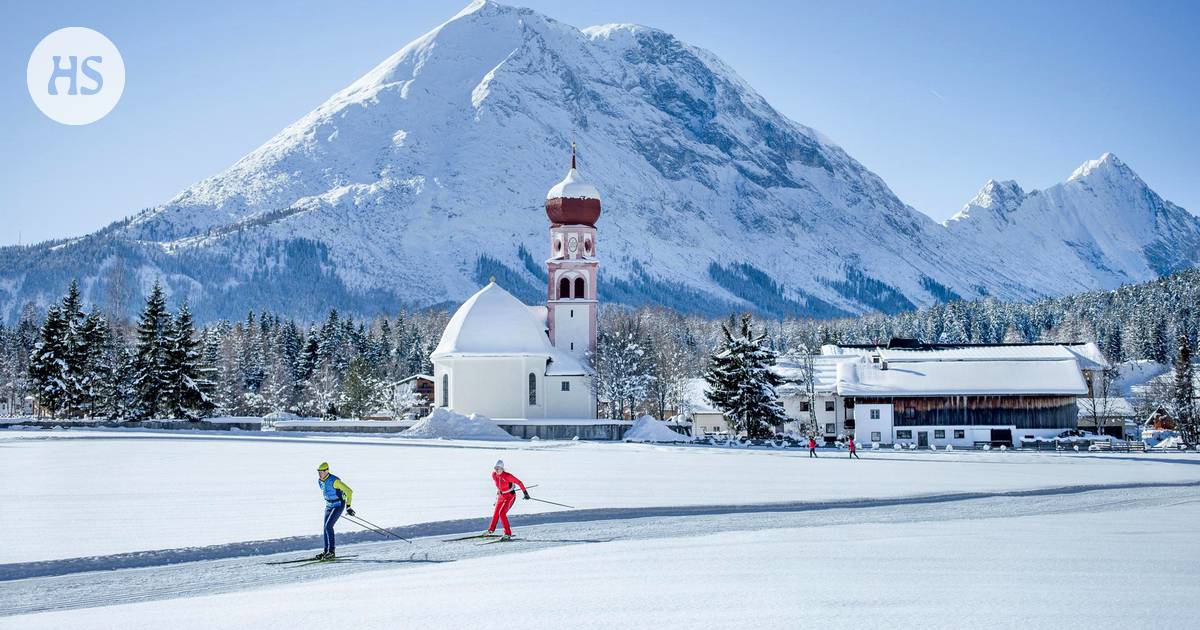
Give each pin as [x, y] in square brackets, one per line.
[424, 177]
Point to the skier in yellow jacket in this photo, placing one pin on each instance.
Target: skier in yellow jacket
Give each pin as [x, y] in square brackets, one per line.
[337, 498]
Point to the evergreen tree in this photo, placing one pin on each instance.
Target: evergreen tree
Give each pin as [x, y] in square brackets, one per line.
[150, 377]
[48, 367]
[360, 390]
[1184, 397]
[741, 383]
[188, 384]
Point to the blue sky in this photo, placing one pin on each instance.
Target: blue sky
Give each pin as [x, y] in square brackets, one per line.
[934, 97]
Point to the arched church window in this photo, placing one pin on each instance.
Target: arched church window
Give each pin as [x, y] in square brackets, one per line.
[445, 390]
[580, 293]
[564, 288]
[532, 388]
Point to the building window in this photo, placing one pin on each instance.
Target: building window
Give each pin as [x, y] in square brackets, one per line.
[960, 434]
[910, 413]
[829, 427]
[848, 423]
[445, 390]
[564, 288]
[875, 437]
[939, 434]
[572, 345]
[580, 293]
[566, 386]
[903, 435]
[828, 405]
[572, 312]
[803, 405]
[532, 388]
[874, 414]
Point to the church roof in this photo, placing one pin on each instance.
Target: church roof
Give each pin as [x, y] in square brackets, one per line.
[573, 186]
[493, 322]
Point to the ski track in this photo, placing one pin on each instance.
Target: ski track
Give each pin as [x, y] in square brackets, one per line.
[125, 578]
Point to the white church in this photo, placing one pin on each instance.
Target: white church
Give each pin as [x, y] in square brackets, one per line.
[501, 358]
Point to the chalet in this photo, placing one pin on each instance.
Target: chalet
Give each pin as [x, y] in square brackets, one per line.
[906, 392]
[961, 394]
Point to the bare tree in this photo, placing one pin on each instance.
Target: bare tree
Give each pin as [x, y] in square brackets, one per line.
[1099, 405]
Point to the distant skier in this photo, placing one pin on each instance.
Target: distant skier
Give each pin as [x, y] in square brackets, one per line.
[853, 449]
[337, 498]
[812, 446]
[506, 495]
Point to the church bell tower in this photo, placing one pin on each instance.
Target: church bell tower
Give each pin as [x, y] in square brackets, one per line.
[573, 206]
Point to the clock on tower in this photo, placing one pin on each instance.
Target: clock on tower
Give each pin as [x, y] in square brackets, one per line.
[573, 206]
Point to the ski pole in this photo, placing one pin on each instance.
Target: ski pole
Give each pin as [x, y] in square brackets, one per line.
[358, 520]
[553, 503]
[514, 490]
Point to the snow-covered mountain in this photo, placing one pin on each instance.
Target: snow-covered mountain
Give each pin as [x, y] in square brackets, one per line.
[426, 176]
[1102, 227]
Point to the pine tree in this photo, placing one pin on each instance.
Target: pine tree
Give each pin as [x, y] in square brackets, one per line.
[741, 383]
[150, 378]
[96, 369]
[1184, 397]
[48, 369]
[188, 385]
[360, 391]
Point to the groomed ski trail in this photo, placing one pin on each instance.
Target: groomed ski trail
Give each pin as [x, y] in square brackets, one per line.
[126, 578]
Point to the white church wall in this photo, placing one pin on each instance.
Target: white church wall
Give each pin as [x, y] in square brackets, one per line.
[574, 402]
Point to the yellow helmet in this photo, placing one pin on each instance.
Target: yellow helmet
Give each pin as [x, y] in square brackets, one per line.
[323, 466]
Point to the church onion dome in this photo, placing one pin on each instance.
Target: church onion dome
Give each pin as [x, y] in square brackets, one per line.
[573, 201]
[493, 323]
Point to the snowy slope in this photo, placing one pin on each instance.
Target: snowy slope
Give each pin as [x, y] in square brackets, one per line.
[1102, 227]
[425, 176]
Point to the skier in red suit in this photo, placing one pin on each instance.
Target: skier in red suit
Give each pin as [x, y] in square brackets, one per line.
[506, 495]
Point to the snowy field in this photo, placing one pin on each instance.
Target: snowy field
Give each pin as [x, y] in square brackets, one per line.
[665, 536]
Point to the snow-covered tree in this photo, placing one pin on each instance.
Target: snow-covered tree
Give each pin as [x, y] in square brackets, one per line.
[150, 378]
[360, 390]
[741, 383]
[1184, 394]
[622, 373]
[48, 368]
[187, 380]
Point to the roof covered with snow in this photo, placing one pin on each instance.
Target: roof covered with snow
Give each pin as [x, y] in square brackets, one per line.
[573, 186]
[791, 370]
[965, 378]
[1087, 354]
[492, 323]
[694, 393]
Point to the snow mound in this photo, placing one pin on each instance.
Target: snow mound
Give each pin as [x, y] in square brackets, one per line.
[647, 429]
[447, 424]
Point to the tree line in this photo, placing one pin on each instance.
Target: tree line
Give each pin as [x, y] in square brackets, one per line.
[86, 364]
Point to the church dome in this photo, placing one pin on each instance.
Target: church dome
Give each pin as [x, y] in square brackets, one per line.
[573, 201]
[493, 323]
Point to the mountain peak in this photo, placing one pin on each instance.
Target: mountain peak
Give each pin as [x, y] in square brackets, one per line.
[997, 197]
[1108, 166]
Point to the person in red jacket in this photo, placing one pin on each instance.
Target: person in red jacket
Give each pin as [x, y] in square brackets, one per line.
[812, 446]
[506, 495]
[853, 449]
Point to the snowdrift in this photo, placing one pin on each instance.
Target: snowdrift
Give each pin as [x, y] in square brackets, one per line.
[647, 429]
[447, 424]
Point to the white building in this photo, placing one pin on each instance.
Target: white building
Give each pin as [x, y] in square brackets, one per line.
[504, 359]
[909, 393]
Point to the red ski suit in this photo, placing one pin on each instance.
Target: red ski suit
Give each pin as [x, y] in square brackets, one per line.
[506, 495]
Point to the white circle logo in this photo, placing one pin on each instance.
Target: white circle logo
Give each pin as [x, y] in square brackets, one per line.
[75, 75]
